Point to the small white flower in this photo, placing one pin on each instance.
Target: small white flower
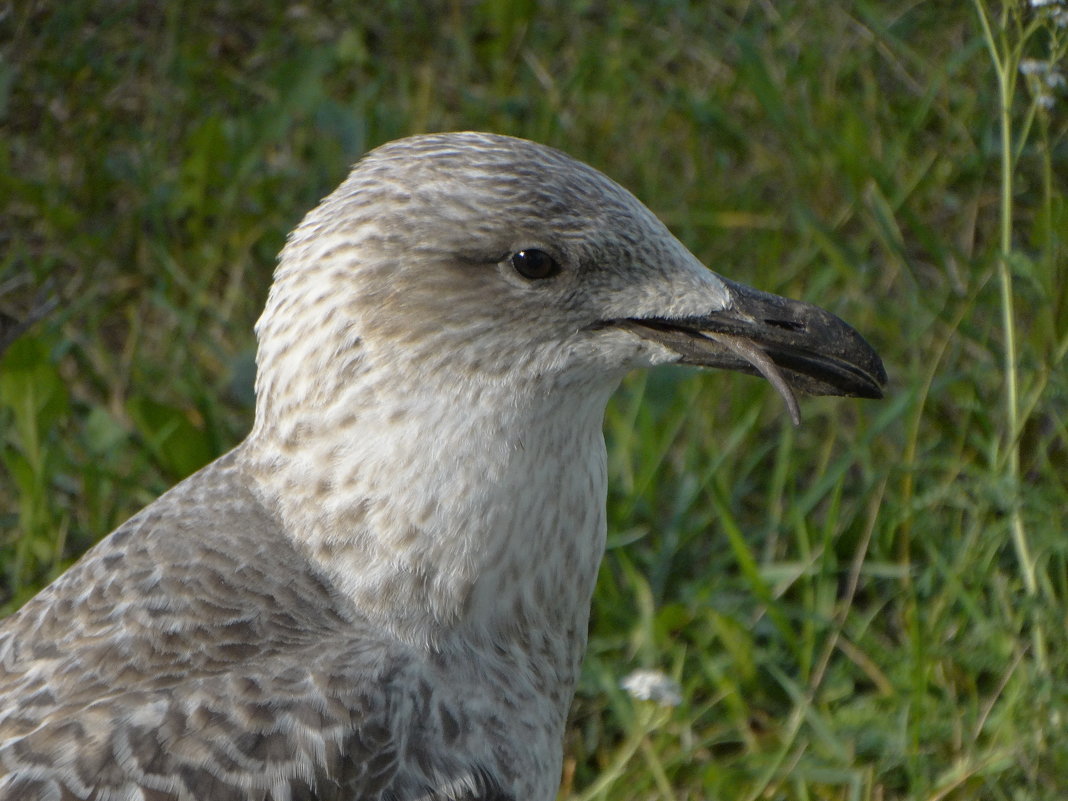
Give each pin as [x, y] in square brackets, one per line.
[1054, 9]
[1043, 79]
[1032, 66]
[652, 685]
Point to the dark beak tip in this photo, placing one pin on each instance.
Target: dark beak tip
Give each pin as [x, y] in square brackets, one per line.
[881, 378]
[872, 391]
[876, 384]
[870, 379]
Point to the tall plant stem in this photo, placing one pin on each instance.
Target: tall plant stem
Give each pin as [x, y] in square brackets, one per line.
[1005, 65]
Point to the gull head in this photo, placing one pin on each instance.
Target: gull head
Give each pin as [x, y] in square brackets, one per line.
[473, 259]
[435, 356]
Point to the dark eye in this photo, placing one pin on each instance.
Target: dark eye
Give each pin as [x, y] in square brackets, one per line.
[534, 264]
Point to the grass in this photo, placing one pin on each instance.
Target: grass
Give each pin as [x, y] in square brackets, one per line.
[847, 607]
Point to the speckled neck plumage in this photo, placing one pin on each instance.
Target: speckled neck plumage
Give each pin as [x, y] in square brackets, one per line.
[470, 516]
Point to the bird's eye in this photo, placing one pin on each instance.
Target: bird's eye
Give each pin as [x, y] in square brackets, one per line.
[534, 264]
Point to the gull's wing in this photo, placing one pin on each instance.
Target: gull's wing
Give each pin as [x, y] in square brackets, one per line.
[193, 654]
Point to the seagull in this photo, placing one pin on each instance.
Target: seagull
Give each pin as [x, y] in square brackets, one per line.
[382, 593]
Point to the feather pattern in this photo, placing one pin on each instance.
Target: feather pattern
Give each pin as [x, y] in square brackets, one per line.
[177, 661]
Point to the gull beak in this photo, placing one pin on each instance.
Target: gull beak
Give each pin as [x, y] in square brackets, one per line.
[794, 345]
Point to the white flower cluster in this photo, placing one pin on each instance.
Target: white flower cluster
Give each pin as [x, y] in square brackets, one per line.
[1044, 80]
[652, 685]
[1056, 9]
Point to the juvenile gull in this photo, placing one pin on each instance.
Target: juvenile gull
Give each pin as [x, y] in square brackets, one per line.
[383, 592]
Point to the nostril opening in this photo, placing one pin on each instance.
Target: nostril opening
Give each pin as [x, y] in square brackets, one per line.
[789, 325]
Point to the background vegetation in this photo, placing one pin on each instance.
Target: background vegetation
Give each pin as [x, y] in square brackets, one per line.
[869, 607]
